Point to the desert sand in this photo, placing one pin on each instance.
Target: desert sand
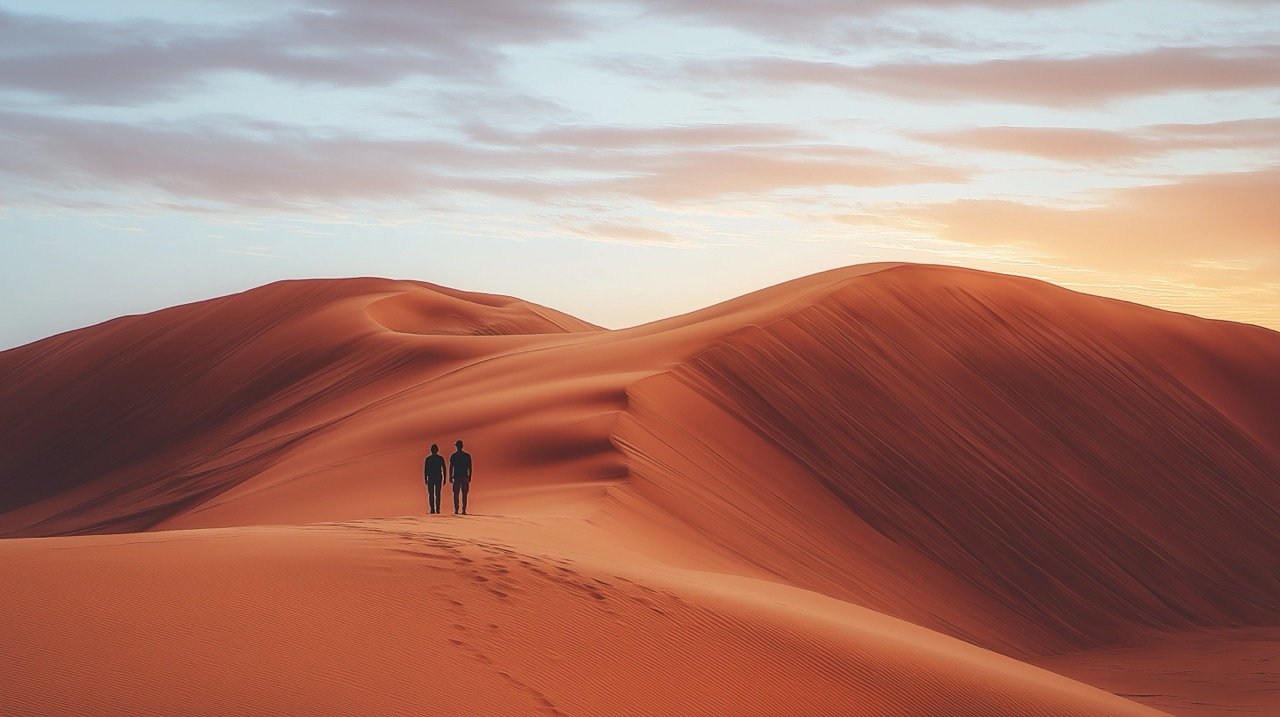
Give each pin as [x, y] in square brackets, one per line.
[886, 489]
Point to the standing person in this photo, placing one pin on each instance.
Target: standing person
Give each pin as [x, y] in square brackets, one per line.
[433, 473]
[460, 476]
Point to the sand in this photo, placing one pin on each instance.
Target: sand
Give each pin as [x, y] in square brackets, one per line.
[887, 489]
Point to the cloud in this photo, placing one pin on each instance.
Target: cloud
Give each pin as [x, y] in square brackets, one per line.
[1099, 145]
[1048, 81]
[324, 42]
[271, 165]
[1231, 217]
[615, 138]
[255, 251]
[792, 20]
[693, 176]
[249, 164]
[625, 233]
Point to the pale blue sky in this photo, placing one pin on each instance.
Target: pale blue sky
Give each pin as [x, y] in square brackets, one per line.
[623, 161]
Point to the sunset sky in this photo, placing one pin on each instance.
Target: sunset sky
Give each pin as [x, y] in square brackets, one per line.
[624, 161]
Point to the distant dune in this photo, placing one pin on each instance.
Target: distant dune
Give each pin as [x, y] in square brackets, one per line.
[886, 489]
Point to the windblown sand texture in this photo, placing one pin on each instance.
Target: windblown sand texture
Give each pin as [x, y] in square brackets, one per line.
[887, 489]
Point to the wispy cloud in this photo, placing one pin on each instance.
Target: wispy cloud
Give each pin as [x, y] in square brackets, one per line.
[786, 19]
[258, 251]
[1101, 145]
[706, 175]
[259, 164]
[1049, 81]
[625, 233]
[324, 42]
[618, 138]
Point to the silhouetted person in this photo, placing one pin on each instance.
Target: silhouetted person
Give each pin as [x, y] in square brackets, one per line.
[460, 477]
[433, 472]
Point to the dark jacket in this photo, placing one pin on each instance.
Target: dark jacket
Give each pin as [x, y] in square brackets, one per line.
[433, 468]
[460, 466]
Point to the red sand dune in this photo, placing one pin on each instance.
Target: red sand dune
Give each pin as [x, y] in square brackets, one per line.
[888, 489]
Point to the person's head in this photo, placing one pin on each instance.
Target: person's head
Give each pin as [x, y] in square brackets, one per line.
[434, 449]
[459, 444]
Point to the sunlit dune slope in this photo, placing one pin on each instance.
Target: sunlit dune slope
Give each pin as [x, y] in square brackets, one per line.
[484, 616]
[120, 425]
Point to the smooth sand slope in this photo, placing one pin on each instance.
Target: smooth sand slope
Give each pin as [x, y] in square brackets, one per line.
[488, 616]
[887, 489]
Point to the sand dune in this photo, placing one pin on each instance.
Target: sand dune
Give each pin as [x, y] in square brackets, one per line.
[142, 418]
[488, 616]
[883, 490]
[1017, 440]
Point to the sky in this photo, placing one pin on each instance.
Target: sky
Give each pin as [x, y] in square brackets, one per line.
[628, 160]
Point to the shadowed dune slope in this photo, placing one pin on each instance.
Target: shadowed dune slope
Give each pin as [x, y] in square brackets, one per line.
[1067, 471]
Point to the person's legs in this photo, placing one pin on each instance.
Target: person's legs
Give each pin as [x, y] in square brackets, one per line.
[466, 488]
[456, 487]
[433, 491]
